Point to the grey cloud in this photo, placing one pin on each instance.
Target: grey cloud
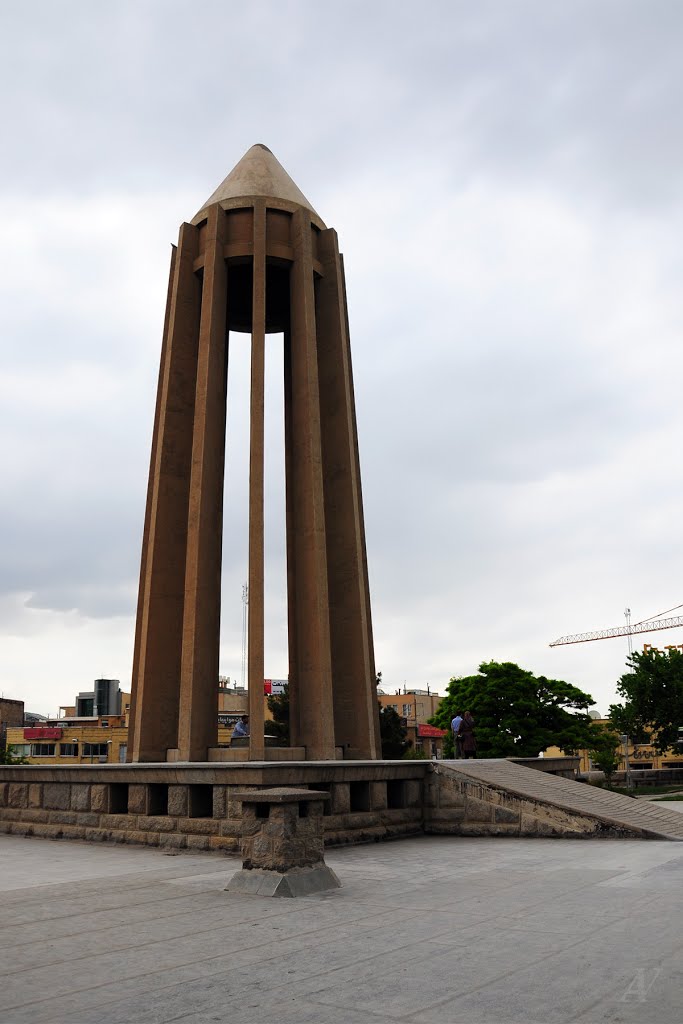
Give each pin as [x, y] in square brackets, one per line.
[505, 179]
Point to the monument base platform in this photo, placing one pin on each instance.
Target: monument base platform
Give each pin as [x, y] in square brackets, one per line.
[194, 805]
[199, 806]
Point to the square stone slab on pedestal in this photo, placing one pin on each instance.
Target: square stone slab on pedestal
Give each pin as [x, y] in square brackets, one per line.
[282, 843]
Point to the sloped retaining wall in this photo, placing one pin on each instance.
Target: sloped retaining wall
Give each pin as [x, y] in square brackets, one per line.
[458, 805]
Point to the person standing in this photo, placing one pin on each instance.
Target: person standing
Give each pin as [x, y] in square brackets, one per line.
[467, 738]
[455, 728]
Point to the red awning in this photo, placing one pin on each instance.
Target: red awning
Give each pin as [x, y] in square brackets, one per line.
[430, 731]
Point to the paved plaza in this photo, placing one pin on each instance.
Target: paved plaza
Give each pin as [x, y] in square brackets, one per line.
[435, 930]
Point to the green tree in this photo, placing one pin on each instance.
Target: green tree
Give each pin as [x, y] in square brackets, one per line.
[278, 705]
[516, 713]
[7, 756]
[653, 698]
[603, 750]
[393, 734]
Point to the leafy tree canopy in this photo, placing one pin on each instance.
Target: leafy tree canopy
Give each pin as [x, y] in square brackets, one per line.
[516, 713]
[653, 697]
[392, 734]
[278, 705]
[604, 749]
[7, 756]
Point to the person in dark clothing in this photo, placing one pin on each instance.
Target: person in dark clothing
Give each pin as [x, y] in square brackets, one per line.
[467, 738]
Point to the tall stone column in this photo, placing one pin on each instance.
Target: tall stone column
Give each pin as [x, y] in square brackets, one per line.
[198, 719]
[159, 628]
[255, 642]
[356, 723]
[311, 676]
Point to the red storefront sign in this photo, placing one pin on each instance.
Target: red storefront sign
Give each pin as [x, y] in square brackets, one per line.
[274, 686]
[430, 731]
[42, 734]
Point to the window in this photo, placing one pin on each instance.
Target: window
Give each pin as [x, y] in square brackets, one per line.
[123, 753]
[68, 749]
[95, 749]
[42, 750]
[21, 749]
[407, 708]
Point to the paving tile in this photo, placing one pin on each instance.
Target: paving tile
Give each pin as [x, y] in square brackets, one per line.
[435, 930]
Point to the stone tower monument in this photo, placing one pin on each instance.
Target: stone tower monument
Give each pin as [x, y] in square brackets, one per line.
[258, 259]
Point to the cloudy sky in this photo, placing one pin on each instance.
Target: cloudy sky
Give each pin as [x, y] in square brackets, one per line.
[506, 179]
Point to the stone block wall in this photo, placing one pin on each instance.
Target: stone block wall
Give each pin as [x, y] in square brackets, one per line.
[196, 808]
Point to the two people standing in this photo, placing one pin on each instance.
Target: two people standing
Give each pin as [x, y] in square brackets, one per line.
[464, 739]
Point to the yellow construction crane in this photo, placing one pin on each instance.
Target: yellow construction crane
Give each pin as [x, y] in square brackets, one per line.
[644, 626]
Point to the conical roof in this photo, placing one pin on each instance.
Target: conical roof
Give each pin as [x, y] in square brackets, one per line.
[258, 173]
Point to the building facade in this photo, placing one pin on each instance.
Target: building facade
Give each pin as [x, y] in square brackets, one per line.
[415, 707]
[632, 756]
[74, 738]
[11, 714]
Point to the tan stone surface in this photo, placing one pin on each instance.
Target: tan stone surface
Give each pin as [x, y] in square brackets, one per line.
[80, 796]
[258, 173]
[198, 718]
[255, 619]
[198, 842]
[156, 823]
[35, 795]
[99, 798]
[17, 795]
[178, 800]
[35, 814]
[200, 826]
[172, 840]
[159, 629]
[63, 817]
[137, 799]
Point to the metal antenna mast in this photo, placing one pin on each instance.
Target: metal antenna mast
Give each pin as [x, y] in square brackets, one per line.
[627, 616]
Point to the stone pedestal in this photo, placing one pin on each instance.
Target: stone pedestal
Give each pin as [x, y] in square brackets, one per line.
[282, 843]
